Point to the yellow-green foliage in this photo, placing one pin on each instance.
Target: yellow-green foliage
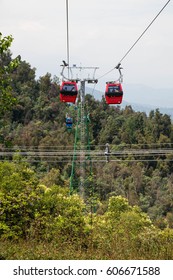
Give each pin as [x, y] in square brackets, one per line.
[33, 213]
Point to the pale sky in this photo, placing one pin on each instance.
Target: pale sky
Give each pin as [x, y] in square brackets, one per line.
[101, 31]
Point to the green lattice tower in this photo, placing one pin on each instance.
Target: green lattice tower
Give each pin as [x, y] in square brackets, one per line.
[81, 162]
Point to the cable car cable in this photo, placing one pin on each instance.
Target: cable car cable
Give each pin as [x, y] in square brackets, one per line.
[68, 47]
[116, 67]
[144, 32]
[106, 73]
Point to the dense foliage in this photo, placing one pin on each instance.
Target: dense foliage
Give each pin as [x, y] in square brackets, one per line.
[128, 213]
[7, 65]
[32, 213]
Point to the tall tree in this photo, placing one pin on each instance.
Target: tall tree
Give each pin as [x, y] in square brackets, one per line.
[7, 65]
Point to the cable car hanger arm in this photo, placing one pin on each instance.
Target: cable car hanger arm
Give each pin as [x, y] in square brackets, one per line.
[64, 65]
[118, 67]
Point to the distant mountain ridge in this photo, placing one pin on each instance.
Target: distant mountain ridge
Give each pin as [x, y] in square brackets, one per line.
[138, 107]
[147, 108]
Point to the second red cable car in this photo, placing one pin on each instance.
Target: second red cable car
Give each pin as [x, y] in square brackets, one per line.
[113, 93]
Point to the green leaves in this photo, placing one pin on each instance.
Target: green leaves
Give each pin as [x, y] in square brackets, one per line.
[116, 206]
[5, 43]
[7, 99]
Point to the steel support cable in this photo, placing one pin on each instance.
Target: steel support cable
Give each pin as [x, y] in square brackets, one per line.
[106, 73]
[93, 161]
[61, 148]
[68, 45]
[136, 40]
[144, 31]
[156, 148]
[91, 154]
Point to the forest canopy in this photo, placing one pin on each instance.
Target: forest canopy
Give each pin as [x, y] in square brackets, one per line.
[129, 201]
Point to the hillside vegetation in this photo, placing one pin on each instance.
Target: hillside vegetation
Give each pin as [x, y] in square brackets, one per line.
[128, 211]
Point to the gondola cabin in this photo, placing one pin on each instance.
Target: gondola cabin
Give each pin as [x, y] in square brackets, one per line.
[69, 123]
[113, 93]
[68, 91]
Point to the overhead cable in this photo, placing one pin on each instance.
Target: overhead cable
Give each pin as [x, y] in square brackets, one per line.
[68, 48]
[136, 41]
[144, 32]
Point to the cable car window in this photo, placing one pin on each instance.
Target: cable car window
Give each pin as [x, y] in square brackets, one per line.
[69, 88]
[113, 89]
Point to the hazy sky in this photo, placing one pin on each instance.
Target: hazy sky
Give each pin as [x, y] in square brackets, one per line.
[101, 31]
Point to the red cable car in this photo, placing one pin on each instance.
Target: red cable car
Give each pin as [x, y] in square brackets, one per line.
[68, 91]
[113, 93]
